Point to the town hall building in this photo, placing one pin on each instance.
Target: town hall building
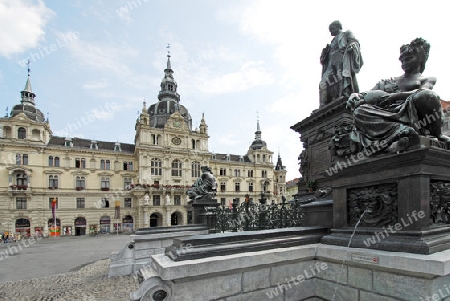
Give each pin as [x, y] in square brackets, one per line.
[100, 186]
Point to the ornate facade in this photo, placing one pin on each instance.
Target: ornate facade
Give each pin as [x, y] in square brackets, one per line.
[148, 179]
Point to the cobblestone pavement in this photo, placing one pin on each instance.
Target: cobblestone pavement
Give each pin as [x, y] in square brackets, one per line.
[90, 283]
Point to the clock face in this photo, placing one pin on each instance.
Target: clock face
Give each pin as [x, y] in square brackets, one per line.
[177, 124]
[176, 140]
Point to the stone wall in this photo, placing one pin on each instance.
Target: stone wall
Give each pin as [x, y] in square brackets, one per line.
[137, 252]
[300, 273]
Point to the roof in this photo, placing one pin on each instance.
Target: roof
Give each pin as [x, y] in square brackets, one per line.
[86, 144]
[233, 158]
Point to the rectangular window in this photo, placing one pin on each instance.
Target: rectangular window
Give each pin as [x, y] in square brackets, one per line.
[127, 202]
[127, 165]
[223, 172]
[105, 203]
[156, 200]
[80, 163]
[250, 173]
[237, 172]
[222, 201]
[177, 200]
[127, 183]
[250, 187]
[264, 173]
[105, 183]
[80, 182]
[80, 203]
[223, 186]
[155, 167]
[53, 181]
[21, 203]
[237, 186]
[21, 159]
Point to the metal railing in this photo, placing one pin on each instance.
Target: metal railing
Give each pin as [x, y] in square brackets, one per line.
[250, 216]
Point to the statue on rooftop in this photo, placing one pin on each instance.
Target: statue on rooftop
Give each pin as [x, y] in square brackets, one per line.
[341, 60]
[397, 110]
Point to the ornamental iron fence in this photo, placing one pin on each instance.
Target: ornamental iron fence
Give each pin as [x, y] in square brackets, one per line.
[250, 216]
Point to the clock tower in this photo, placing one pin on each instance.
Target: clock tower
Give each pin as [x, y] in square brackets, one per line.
[169, 150]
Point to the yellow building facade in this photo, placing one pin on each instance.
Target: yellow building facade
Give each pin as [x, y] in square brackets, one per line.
[113, 187]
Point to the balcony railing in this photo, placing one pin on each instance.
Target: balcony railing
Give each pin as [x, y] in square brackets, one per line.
[18, 187]
[156, 187]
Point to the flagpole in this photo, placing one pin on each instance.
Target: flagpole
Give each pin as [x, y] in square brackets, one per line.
[54, 215]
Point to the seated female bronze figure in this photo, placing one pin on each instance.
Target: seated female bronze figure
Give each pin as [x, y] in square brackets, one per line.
[398, 110]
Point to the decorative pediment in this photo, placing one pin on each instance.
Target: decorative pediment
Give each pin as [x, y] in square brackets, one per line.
[176, 122]
[21, 117]
[105, 174]
[53, 171]
[18, 169]
[128, 175]
[79, 173]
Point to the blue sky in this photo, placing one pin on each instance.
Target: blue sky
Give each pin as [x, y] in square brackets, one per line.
[233, 61]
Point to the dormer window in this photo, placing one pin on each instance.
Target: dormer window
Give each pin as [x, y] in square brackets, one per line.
[117, 147]
[68, 142]
[227, 157]
[241, 159]
[214, 156]
[94, 145]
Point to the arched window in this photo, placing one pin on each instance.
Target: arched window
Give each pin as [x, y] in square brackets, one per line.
[176, 168]
[57, 161]
[102, 164]
[195, 169]
[50, 161]
[21, 133]
[108, 165]
[155, 167]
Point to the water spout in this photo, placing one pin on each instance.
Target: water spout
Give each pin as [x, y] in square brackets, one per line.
[345, 257]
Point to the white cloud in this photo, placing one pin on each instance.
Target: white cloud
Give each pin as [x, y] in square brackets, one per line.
[103, 83]
[107, 57]
[102, 115]
[22, 23]
[250, 75]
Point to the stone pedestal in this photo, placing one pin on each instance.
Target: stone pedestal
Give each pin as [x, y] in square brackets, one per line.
[318, 213]
[203, 212]
[323, 134]
[404, 198]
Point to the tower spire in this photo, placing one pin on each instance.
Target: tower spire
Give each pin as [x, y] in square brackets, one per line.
[27, 93]
[168, 84]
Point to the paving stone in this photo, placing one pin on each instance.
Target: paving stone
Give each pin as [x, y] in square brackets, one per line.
[90, 283]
